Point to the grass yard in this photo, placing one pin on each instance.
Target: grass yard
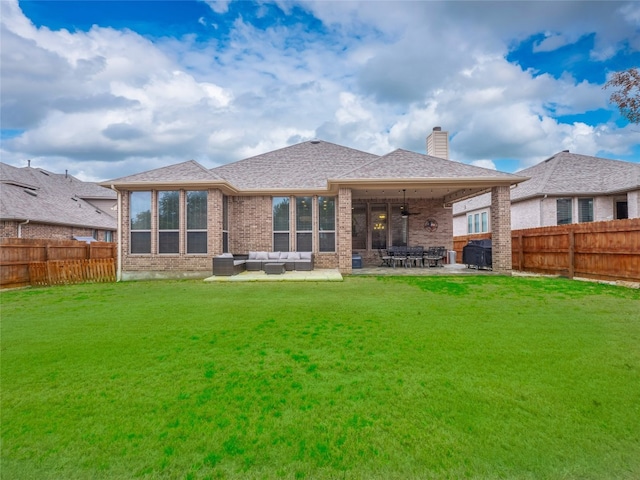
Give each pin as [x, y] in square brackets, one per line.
[390, 378]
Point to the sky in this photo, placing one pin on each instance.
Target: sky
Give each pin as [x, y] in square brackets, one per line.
[105, 89]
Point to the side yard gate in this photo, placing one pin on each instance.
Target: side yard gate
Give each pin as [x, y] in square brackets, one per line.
[54, 262]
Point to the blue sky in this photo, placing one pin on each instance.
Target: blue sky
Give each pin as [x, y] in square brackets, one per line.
[105, 89]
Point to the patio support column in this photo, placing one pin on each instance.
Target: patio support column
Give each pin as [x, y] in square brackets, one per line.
[214, 221]
[501, 229]
[344, 230]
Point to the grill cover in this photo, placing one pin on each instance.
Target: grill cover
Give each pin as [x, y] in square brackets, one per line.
[477, 253]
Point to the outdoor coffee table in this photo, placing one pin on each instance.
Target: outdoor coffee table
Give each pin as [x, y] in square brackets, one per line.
[274, 268]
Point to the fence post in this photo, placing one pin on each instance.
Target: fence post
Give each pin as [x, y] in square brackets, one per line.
[572, 248]
[520, 252]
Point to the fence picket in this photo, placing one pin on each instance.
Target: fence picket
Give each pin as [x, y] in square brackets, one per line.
[43, 262]
[600, 250]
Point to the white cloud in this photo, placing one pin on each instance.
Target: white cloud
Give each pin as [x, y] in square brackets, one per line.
[377, 76]
[219, 6]
[484, 164]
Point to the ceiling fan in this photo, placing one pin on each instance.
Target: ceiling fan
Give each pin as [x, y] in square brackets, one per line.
[404, 211]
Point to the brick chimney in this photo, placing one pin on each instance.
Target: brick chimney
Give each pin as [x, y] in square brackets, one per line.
[438, 143]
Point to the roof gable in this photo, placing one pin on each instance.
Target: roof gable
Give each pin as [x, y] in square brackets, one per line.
[185, 172]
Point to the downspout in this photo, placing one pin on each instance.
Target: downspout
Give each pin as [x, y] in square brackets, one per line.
[118, 235]
[20, 227]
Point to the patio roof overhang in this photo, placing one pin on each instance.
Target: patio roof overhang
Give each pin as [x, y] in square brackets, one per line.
[448, 189]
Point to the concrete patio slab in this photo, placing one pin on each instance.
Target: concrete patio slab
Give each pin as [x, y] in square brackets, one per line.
[447, 269]
[317, 275]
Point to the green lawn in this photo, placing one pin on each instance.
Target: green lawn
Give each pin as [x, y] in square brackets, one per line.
[400, 377]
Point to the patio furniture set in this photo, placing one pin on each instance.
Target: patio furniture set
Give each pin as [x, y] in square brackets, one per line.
[272, 263]
[412, 256]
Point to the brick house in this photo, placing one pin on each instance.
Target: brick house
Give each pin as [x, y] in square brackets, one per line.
[35, 203]
[565, 188]
[313, 196]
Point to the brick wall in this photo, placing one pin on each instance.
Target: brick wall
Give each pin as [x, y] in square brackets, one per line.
[633, 204]
[501, 229]
[343, 234]
[251, 221]
[10, 229]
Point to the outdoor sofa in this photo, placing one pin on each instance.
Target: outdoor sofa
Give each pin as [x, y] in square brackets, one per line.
[227, 264]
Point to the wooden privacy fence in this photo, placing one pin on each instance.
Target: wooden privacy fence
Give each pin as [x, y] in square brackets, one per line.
[600, 250]
[53, 262]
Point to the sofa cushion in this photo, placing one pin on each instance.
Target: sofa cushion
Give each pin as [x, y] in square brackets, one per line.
[226, 255]
[293, 256]
[305, 255]
[284, 255]
[252, 255]
[262, 256]
[274, 255]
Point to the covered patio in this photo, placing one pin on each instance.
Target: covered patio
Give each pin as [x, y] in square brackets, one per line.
[405, 199]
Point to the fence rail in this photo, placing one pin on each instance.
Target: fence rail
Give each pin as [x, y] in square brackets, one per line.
[600, 250]
[52, 262]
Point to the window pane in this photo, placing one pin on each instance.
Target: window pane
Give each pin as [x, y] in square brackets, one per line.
[563, 207]
[196, 242]
[476, 223]
[485, 227]
[303, 213]
[469, 223]
[168, 208]
[197, 210]
[585, 209]
[280, 214]
[280, 242]
[168, 242]
[379, 226]
[398, 227]
[622, 210]
[140, 210]
[359, 227]
[140, 242]
[327, 213]
[303, 242]
[327, 241]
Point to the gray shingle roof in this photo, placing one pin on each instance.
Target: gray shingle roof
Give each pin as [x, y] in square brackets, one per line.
[305, 165]
[313, 165]
[568, 174]
[573, 174]
[411, 165]
[40, 196]
[185, 172]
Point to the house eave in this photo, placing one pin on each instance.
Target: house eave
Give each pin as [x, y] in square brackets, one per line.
[226, 187]
[452, 182]
[35, 219]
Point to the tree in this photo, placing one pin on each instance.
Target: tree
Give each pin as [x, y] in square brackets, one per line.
[627, 96]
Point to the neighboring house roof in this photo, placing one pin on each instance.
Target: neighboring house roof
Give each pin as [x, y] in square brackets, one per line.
[305, 165]
[40, 196]
[567, 174]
